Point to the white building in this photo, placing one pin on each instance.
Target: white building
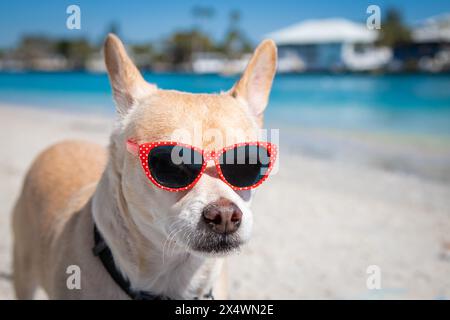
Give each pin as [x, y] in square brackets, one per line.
[433, 29]
[210, 63]
[429, 49]
[328, 44]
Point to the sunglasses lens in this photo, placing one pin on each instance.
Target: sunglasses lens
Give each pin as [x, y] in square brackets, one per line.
[245, 166]
[174, 166]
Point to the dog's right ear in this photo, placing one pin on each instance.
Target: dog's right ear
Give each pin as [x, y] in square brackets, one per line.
[127, 83]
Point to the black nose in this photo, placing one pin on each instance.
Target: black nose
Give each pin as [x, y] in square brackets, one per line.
[222, 216]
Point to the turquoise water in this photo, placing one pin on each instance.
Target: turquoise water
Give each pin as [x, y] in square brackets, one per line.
[404, 103]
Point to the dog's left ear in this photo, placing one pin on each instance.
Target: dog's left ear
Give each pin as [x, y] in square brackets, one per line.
[256, 82]
[127, 83]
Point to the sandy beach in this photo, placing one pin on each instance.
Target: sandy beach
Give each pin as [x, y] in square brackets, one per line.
[319, 222]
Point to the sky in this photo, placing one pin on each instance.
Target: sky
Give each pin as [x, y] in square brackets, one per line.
[141, 21]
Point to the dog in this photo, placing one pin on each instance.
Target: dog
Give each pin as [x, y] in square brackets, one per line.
[93, 213]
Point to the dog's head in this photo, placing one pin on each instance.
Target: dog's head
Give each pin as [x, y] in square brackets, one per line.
[211, 217]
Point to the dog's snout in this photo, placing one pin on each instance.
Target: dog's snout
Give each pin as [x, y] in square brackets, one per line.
[222, 216]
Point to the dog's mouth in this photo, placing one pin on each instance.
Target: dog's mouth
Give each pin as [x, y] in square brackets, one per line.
[209, 243]
[219, 244]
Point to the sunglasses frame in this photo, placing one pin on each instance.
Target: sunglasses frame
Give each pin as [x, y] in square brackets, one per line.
[143, 150]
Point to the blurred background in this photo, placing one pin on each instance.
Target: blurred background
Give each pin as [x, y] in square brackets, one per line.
[363, 114]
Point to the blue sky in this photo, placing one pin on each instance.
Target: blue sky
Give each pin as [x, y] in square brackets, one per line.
[142, 21]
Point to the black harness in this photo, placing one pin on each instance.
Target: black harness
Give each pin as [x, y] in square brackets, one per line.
[102, 251]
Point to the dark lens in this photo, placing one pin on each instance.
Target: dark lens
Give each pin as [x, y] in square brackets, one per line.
[174, 166]
[245, 166]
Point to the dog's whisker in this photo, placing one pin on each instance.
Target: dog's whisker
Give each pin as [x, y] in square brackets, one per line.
[184, 236]
[170, 239]
[166, 242]
[173, 242]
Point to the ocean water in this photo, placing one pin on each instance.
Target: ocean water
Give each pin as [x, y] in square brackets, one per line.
[418, 104]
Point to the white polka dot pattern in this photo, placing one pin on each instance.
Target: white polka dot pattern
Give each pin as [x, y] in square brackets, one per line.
[145, 149]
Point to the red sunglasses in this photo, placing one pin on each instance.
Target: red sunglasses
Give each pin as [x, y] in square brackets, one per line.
[174, 166]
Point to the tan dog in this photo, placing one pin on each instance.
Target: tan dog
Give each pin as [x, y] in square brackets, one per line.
[71, 185]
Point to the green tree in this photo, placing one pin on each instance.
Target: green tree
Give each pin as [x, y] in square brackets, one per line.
[34, 46]
[146, 49]
[235, 42]
[180, 46]
[76, 51]
[393, 30]
[143, 55]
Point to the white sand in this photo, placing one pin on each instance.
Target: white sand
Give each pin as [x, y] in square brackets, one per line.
[319, 223]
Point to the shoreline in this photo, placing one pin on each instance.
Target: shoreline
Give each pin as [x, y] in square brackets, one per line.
[444, 73]
[423, 155]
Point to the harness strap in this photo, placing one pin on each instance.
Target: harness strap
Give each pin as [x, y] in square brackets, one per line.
[102, 251]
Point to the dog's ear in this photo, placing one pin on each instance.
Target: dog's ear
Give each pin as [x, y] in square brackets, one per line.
[255, 84]
[127, 83]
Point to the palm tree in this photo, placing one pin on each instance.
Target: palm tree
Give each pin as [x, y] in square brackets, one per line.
[180, 46]
[235, 42]
[201, 15]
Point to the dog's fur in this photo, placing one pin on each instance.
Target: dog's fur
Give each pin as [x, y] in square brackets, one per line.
[156, 236]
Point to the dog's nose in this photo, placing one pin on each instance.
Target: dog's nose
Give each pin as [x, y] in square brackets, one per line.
[222, 216]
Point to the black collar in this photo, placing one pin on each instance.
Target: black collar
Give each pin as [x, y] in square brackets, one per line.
[102, 251]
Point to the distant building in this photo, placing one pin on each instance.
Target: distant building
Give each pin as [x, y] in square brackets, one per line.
[430, 46]
[217, 63]
[433, 29]
[208, 62]
[48, 64]
[96, 63]
[328, 44]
